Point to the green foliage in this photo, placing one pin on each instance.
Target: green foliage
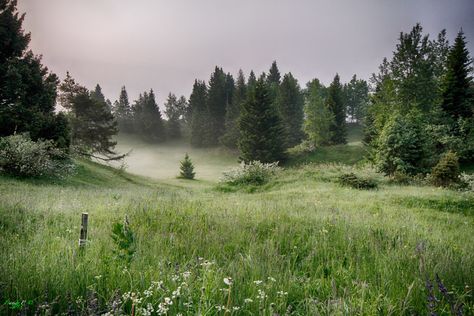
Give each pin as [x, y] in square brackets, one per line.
[199, 114]
[187, 168]
[356, 97]
[355, 182]
[335, 104]
[27, 88]
[20, 156]
[175, 110]
[232, 133]
[218, 97]
[147, 118]
[467, 181]
[123, 112]
[289, 102]
[260, 128]
[319, 118]
[446, 172]
[457, 99]
[252, 173]
[124, 239]
[402, 146]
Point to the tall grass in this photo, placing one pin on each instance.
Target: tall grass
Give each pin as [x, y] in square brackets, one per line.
[304, 246]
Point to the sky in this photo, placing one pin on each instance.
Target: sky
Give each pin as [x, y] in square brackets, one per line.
[166, 44]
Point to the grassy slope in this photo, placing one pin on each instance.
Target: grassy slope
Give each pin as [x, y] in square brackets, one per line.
[332, 249]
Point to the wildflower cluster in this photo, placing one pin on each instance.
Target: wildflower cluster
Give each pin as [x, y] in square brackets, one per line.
[254, 173]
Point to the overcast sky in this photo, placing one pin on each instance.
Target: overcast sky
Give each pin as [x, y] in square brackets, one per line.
[166, 44]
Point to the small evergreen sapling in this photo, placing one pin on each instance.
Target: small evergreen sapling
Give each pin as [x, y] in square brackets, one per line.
[187, 168]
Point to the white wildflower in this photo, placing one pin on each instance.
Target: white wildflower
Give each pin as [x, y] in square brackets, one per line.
[228, 281]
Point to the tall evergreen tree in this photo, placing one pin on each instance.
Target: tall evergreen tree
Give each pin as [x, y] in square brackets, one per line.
[261, 129]
[174, 110]
[356, 97]
[123, 112]
[97, 94]
[231, 136]
[335, 104]
[252, 81]
[147, 118]
[216, 105]
[200, 115]
[274, 76]
[289, 103]
[457, 100]
[319, 118]
[27, 89]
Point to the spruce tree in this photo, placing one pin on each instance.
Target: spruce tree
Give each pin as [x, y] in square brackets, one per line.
[216, 105]
[289, 102]
[356, 97]
[261, 129]
[174, 110]
[335, 104]
[187, 168]
[274, 76]
[457, 99]
[319, 118]
[147, 118]
[199, 114]
[231, 136]
[252, 81]
[123, 112]
[97, 94]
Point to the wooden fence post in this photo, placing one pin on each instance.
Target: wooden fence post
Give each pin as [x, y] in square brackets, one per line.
[83, 237]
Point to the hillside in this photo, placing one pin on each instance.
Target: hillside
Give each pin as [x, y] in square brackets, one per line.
[302, 243]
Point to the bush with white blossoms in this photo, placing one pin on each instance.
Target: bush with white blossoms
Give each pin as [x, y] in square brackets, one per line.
[254, 173]
[20, 156]
[467, 181]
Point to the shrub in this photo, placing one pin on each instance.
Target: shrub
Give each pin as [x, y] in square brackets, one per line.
[254, 173]
[402, 146]
[353, 181]
[20, 156]
[446, 172]
[466, 181]
[187, 168]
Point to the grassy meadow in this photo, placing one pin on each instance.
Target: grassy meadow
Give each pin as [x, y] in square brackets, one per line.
[300, 245]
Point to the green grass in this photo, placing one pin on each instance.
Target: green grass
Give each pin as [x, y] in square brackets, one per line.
[331, 250]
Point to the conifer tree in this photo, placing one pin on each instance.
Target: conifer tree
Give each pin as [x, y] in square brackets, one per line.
[252, 81]
[27, 89]
[356, 97]
[97, 94]
[335, 104]
[261, 129]
[274, 76]
[147, 118]
[174, 110]
[457, 100]
[187, 168]
[216, 105]
[199, 114]
[231, 136]
[319, 118]
[289, 102]
[123, 112]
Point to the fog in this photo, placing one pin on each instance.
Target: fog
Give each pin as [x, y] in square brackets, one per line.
[162, 161]
[165, 45]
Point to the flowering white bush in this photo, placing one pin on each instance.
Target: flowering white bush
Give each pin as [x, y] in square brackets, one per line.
[254, 172]
[20, 156]
[467, 181]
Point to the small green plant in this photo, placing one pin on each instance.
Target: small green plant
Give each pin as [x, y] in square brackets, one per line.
[353, 181]
[446, 173]
[22, 157]
[252, 173]
[187, 168]
[124, 239]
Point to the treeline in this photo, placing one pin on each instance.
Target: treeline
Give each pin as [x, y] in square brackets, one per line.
[415, 110]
